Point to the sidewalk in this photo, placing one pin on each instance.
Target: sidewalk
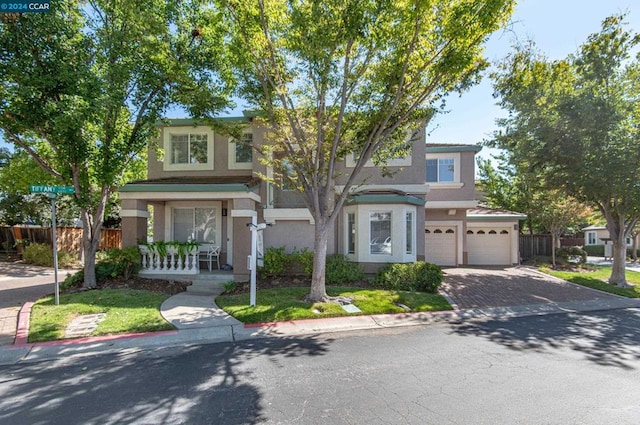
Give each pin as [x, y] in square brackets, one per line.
[198, 321]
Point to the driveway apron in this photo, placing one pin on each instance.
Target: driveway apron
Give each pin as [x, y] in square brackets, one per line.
[512, 286]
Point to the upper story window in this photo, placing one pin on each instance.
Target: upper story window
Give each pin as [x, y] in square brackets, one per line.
[241, 153]
[441, 170]
[188, 149]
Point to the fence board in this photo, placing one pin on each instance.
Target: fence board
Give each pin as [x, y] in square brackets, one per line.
[69, 238]
[534, 246]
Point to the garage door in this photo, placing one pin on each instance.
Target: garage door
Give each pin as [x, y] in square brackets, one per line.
[489, 246]
[440, 245]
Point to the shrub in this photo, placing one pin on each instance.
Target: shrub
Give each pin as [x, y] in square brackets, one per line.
[594, 250]
[276, 262]
[303, 260]
[42, 255]
[340, 270]
[418, 276]
[74, 280]
[117, 262]
[571, 254]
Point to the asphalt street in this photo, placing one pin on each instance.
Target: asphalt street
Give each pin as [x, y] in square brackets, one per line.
[552, 369]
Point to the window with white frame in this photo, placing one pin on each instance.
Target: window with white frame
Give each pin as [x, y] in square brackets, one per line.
[241, 152]
[409, 232]
[380, 233]
[351, 233]
[441, 170]
[591, 238]
[188, 149]
[199, 224]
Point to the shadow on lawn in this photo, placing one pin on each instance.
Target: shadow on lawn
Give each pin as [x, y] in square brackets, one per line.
[194, 385]
[607, 338]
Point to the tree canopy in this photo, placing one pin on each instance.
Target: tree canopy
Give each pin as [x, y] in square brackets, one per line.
[573, 122]
[336, 78]
[83, 87]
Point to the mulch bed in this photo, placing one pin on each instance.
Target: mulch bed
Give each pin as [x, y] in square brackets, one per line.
[170, 287]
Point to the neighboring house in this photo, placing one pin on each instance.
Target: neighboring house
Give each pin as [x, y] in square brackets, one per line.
[206, 187]
[598, 235]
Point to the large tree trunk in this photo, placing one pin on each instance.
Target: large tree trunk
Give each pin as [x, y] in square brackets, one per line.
[92, 226]
[616, 232]
[318, 290]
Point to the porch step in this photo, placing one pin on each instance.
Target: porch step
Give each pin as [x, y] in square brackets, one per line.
[209, 283]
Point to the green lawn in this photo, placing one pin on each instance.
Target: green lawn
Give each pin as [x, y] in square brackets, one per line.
[127, 311]
[597, 279]
[283, 304]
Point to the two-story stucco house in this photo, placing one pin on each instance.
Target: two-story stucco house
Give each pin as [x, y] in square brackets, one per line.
[205, 186]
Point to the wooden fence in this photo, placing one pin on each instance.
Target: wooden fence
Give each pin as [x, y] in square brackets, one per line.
[69, 238]
[540, 245]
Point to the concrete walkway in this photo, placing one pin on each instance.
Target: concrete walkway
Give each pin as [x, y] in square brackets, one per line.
[189, 311]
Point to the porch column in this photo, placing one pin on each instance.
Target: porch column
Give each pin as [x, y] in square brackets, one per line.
[243, 210]
[134, 217]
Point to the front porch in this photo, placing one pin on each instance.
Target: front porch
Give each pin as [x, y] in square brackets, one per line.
[212, 213]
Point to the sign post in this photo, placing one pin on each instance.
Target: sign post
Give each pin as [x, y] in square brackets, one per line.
[52, 193]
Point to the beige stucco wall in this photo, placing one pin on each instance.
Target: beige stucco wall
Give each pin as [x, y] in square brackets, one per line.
[220, 159]
[467, 178]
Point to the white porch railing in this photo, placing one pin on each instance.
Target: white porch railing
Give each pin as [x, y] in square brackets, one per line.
[171, 263]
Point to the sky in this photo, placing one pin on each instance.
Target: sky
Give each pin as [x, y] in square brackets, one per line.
[558, 28]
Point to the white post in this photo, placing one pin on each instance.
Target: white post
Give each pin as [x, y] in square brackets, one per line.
[252, 261]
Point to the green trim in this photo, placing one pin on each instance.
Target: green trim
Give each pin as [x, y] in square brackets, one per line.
[385, 199]
[452, 149]
[168, 187]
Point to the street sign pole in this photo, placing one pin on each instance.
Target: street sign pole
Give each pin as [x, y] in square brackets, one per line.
[52, 192]
[54, 236]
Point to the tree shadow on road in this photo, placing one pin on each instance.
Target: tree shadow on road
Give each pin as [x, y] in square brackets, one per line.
[203, 384]
[607, 338]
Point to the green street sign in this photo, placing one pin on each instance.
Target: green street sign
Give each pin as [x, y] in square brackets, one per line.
[52, 189]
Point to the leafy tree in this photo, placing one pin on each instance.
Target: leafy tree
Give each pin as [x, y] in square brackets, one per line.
[351, 77]
[574, 121]
[556, 212]
[504, 187]
[82, 87]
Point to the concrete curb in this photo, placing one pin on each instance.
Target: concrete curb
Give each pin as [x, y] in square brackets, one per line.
[35, 352]
[22, 332]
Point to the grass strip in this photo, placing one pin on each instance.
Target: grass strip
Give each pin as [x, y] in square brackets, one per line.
[597, 279]
[285, 304]
[126, 311]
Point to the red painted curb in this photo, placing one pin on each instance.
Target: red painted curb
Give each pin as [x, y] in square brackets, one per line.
[22, 333]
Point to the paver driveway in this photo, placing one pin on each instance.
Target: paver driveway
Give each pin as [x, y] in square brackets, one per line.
[512, 286]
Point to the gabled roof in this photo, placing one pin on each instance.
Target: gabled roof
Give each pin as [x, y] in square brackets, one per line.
[451, 147]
